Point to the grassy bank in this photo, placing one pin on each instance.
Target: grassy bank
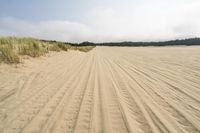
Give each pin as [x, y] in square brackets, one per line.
[11, 48]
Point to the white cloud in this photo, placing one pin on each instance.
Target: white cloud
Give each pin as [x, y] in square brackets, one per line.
[53, 30]
[148, 22]
[142, 22]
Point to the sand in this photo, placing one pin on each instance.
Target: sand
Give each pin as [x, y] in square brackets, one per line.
[107, 90]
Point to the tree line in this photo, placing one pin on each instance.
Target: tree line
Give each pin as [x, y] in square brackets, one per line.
[187, 42]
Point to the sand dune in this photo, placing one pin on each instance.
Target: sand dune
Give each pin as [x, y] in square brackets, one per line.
[107, 90]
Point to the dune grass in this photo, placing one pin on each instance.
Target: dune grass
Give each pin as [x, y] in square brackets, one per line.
[31, 47]
[11, 48]
[8, 55]
[82, 48]
[85, 48]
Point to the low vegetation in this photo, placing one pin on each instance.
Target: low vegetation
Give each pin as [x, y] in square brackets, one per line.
[11, 48]
[85, 48]
[8, 55]
[185, 42]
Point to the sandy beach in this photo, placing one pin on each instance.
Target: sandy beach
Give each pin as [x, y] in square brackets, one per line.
[106, 90]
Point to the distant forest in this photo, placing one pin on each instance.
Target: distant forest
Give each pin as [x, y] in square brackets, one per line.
[186, 42]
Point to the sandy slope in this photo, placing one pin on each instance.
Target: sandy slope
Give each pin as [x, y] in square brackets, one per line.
[109, 89]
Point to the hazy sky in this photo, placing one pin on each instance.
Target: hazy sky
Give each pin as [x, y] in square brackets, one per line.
[100, 20]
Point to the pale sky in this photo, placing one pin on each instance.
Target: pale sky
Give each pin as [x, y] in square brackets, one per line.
[100, 20]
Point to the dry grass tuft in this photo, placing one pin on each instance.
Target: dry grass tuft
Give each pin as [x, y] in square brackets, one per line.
[85, 48]
[8, 55]
[11, 48]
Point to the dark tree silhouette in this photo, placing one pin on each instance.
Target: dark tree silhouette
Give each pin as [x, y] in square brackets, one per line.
[186, 42]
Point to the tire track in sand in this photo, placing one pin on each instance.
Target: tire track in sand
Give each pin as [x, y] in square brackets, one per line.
[109, 89]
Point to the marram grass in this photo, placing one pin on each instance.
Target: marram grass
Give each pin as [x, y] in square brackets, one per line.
[12, 48]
